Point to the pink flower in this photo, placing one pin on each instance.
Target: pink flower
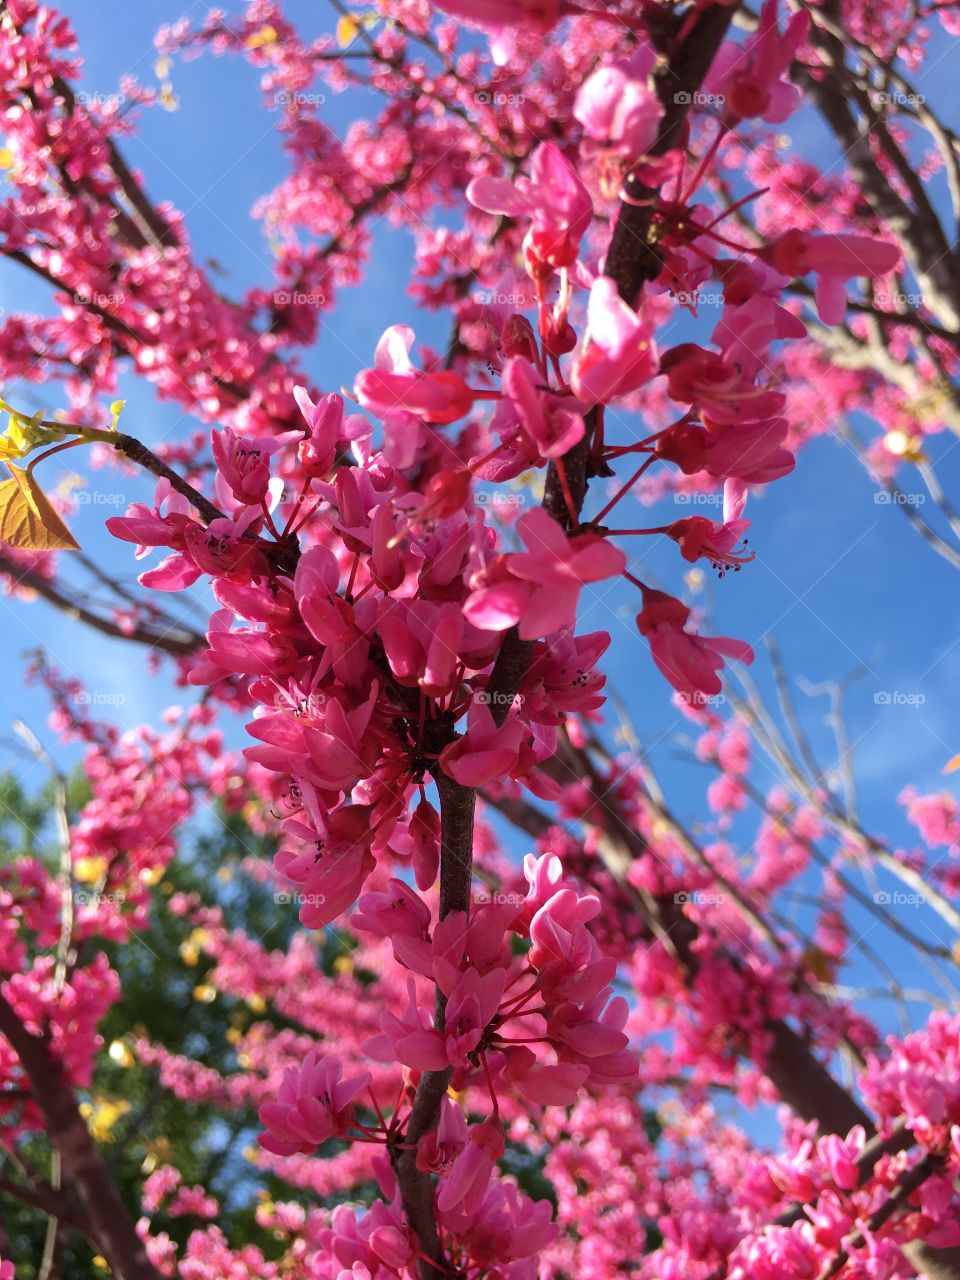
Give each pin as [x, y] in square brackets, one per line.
[335, 863]
[400, 910]
[464, 1157]
[534, 15]
[393, 388]
[472, 1001]
[506, 1227]
[148, 527]
[553, 197]
[313, 1104]
[717, 542]
[751, 77]
[422, 642]
[551, 422]
[752, 453]
[716, 387]
[619, 108]
[244, 462]
[342, 751]
[690, 662]
[318, 451]
[409, 1039]
[327, 615]
[840, 1156]
[465, 1185]
[618, 354]
[424, 831]
[438, 1149]
[538, 589]
[834, 259]
[547, 1084]
[485, 751]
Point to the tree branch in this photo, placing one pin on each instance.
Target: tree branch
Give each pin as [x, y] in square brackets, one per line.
[631, 261]
[82, 1162]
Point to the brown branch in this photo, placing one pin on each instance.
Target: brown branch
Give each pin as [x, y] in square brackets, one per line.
[915, 1177]
[457, 809]
[83, 1164]
[177, 641]
[144, 457]
[925, 245]
[41, 1196]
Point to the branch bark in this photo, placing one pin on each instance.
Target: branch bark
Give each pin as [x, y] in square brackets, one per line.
[175, 640]
[83, 1164]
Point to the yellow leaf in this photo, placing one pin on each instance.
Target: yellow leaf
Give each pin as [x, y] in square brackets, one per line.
[27, 518]
[347, 29]
[18, 439]
[6, 158]
[952, 765]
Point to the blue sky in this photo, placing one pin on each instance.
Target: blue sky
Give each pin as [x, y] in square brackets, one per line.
[839, 579]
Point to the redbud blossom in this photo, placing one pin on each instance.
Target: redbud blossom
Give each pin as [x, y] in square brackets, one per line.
[313, 1104]
[553, 197]
[689, 661]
